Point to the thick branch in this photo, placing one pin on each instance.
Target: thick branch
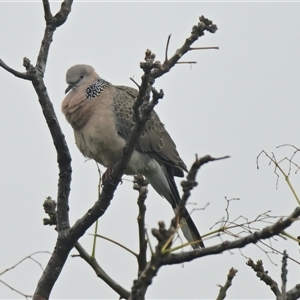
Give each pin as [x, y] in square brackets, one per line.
[284, 272]
[62, 15]
[50, 209]
[294, 293]
[47, 11]
[35, 74]
[63, 154]
[64, 242]
[51, 24]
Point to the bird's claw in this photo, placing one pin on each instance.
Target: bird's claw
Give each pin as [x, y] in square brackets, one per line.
[107, 177]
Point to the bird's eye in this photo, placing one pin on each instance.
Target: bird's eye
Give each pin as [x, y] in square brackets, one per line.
[81, 76]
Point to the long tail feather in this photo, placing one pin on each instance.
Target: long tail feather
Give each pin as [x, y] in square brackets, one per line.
[163, 182]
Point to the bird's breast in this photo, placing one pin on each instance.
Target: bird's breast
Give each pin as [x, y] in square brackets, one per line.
[99, 138]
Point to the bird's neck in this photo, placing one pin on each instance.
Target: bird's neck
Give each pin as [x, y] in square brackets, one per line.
[95, 89]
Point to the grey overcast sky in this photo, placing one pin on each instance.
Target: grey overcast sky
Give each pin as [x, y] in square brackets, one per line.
[238, 101]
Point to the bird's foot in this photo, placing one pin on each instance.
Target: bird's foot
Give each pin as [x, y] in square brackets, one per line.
[107, 177]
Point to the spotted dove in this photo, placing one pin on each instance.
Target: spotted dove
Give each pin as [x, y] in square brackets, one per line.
[101, 115]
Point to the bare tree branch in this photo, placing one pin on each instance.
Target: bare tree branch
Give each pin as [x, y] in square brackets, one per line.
[29, 257]
[189, 184]
[167, 47]
[265, 233]
[101, 273]
[61, 249]
[141, 285]
[204, 48]
[118, 244]
[67, 237]
[47, 11]
[190, 181]
[51, 24]
[18, 74]
[140, 184]
[223, 289]
[141, 114]
[263, 275]
[197, 31]
[62, 15]
[284, 272]
[294, 293]
[162, 257]
[49, 206]
[15, 290]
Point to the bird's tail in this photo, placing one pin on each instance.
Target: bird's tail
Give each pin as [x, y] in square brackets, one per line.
[187, 224]
[163, 182]
[189, 229]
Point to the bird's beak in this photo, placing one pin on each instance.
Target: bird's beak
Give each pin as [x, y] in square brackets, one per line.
[68, 88]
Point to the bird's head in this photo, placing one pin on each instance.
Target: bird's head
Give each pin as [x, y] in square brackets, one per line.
[78, 75]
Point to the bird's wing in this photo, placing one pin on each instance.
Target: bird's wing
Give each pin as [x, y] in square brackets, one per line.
[157, 143]
[155, 140]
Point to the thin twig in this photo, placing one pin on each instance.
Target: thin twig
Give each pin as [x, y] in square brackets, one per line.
[96, 223]
[25, 258]
[189, 184]
[186, 62]
[204, 48]
[116, 243]
[252, 238]
[198, 30]
[149, 242]
[134, 82]
[167, 47]
[277, 166]
[21, 75]
[15, 290]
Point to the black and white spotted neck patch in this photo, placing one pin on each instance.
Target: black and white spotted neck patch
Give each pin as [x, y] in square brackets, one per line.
[95, 89]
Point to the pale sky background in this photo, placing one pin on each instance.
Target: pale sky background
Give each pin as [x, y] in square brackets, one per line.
[235, 101]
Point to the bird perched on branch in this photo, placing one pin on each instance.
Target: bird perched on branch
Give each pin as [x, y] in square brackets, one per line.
[101, 115]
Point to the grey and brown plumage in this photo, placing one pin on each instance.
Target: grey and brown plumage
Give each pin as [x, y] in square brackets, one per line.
[101, 115]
